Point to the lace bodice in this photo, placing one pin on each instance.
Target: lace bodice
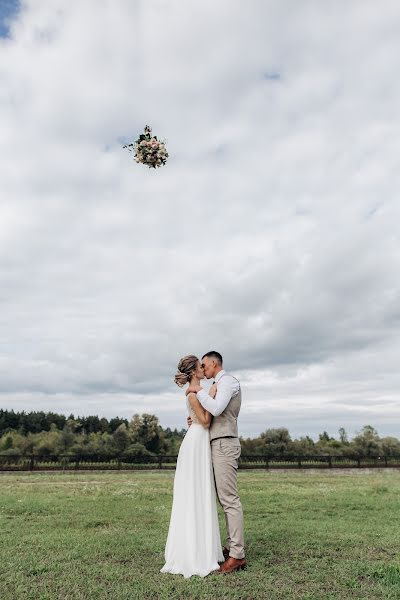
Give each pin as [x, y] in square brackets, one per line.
[191, 412]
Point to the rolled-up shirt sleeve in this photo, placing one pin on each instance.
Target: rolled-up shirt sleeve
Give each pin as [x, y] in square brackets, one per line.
[227, 387]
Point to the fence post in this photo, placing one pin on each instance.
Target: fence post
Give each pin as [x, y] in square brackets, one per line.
[330, 462]
[160, 462]
[31, 463]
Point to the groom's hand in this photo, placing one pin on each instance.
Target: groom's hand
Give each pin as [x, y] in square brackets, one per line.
[193, 389]
[189, 421]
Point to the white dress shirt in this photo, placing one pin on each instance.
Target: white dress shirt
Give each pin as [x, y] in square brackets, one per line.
[226, 388]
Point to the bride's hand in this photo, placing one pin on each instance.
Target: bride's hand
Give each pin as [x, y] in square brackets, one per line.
[213, 390]
[193, 389]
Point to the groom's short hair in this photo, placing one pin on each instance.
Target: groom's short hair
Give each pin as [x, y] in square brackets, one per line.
[213, 354]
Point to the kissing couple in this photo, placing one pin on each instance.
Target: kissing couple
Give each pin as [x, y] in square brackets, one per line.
[206, 467]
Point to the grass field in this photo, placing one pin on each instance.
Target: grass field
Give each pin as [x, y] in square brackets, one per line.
[102, 535]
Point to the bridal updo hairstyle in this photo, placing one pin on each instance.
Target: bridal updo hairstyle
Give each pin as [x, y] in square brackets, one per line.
[186, 367]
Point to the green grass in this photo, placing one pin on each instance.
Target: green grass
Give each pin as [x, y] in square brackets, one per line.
[92, 535]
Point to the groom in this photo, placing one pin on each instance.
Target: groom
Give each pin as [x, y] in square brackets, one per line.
[225, 452]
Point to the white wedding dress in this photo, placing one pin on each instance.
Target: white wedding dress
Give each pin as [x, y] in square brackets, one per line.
[193, 544]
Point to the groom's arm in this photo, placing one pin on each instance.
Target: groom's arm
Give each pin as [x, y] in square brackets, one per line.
[227, 387]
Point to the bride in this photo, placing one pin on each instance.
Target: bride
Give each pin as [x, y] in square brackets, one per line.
[193, 544]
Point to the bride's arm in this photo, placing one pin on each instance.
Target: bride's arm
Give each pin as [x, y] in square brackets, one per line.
[211, 392]
[203, 416]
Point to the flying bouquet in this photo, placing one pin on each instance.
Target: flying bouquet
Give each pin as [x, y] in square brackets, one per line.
[148, 150]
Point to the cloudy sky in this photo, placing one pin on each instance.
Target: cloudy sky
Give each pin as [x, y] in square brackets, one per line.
[271, 235]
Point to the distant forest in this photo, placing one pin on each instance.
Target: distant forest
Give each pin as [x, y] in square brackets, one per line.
[51, 434]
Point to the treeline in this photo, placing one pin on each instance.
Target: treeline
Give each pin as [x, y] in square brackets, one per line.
[278, 443]
[38, 421]
[51, 434]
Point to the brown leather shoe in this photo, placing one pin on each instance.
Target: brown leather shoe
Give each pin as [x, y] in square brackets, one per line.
[232, 564]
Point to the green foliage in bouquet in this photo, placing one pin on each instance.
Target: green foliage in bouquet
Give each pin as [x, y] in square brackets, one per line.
[148, 150]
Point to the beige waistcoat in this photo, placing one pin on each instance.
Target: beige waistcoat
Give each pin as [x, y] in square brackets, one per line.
[225, 425]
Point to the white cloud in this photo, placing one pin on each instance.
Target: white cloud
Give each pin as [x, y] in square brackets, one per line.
[270, 235]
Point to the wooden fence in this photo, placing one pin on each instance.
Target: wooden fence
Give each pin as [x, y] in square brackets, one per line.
[33, 462]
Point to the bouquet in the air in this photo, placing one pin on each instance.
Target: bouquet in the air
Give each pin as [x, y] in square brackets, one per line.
[148, 150]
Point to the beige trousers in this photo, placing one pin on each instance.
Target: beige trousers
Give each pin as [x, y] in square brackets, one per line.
[225, 454]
